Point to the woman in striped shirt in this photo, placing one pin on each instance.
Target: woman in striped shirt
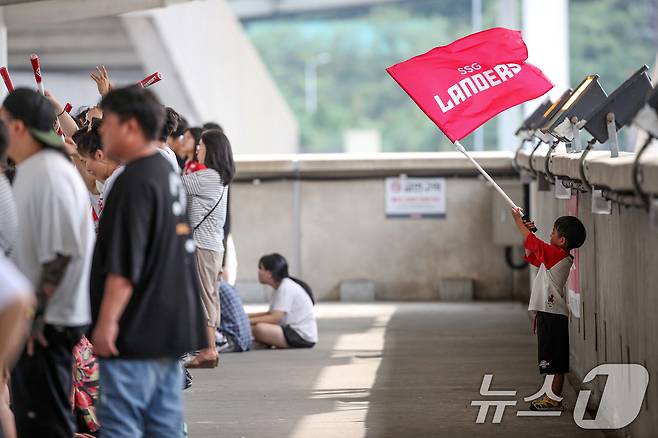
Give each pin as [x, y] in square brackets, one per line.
[190, 149]
[207, 191]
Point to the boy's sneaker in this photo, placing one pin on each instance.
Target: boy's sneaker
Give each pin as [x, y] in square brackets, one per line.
[545, 404]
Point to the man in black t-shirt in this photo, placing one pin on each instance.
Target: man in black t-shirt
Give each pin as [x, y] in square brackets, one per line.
[145, 303]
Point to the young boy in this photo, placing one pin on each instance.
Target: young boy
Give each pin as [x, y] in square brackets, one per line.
[548, 297]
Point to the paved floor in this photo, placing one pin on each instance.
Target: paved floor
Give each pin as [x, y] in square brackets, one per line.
[381, 370]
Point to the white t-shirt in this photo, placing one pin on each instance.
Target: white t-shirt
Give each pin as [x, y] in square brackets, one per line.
[13, 284]
[52, 205]
[96, 202]
[291, 299]
[109, 182]
[171, 157]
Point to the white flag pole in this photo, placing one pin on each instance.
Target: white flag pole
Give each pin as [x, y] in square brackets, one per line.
[484, 173]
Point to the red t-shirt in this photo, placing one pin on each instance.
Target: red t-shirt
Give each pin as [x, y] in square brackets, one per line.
[542, 252]
[193, 166]
[549, 287]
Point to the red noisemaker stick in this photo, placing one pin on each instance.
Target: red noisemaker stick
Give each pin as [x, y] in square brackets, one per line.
[5, 76]
[151, 79]
[36, 68]
[34, 59]
[67, 109]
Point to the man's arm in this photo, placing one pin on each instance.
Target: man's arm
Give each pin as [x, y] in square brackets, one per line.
[118, 291]
[52, 273]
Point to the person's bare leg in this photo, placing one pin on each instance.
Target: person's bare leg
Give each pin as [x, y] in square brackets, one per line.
[210, 352]
[558, 383]
[208, 357]
[6, 415]
[13, 326]
[269, 334]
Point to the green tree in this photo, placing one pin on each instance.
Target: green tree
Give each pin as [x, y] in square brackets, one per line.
[609, 37]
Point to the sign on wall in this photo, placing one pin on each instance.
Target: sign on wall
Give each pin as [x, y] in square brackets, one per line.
[415, 197]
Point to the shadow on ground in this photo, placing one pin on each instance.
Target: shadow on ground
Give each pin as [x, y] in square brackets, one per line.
[380, 370]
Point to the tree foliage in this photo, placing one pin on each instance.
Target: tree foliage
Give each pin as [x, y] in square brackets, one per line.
[609, 37]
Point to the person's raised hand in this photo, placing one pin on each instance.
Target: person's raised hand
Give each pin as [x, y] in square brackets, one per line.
[52, 99]
[517, 214]
[102, 79]
[70, 147]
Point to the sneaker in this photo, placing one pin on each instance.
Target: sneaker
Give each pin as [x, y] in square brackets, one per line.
[225, 347]
[189, 356]
[220, 338]
[545, 404]
[187, 381]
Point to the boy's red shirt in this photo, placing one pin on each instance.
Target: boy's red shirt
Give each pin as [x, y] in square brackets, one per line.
[542, 252]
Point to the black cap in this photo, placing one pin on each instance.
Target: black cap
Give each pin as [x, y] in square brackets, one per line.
[37, 113]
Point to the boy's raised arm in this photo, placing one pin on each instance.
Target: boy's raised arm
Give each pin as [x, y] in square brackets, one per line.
[523, 226]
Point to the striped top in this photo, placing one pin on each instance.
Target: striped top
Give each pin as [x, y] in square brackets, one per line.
[204, 189]
[8, 220]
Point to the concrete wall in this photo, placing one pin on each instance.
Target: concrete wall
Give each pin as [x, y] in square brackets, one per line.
[334, 230]
[618, 275]
[619, 296]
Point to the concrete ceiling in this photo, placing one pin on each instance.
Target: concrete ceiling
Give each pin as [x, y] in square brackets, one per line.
[19, 14]
[75, 46]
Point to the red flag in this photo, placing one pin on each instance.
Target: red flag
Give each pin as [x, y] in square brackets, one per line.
[462, 85]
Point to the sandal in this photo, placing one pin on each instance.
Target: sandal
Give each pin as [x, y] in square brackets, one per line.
[197, 362]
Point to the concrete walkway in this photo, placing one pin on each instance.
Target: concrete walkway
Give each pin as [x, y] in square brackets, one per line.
[381, 370]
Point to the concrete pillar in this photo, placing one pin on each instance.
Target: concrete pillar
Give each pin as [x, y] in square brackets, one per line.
[508, 121]
[546, 33]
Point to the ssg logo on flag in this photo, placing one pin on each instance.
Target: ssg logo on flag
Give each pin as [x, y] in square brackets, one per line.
[462, 85]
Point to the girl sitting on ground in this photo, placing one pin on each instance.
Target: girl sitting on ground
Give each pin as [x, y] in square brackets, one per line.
[290, 321]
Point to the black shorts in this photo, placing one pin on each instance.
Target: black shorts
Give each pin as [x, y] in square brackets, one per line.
[553, 343]
[294, 339]
[41, 384]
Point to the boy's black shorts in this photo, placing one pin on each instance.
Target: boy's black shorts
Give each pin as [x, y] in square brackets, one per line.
[553, 343]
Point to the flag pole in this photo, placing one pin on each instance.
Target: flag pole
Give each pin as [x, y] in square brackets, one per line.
[484, 173]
